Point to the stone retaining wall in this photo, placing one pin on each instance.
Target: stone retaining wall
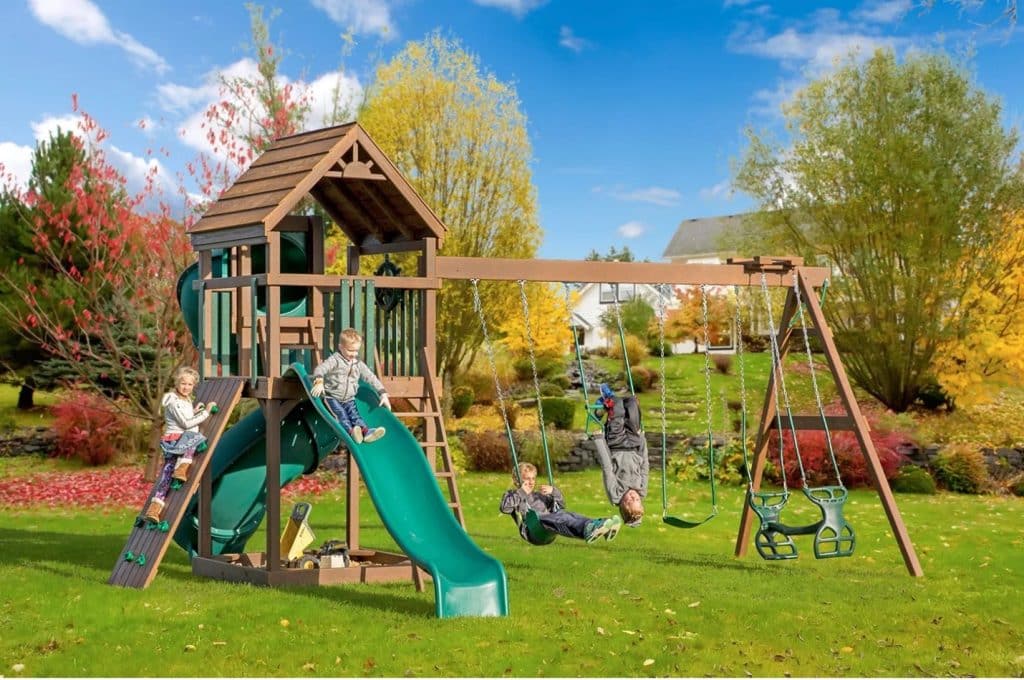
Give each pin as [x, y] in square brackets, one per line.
[26, 442]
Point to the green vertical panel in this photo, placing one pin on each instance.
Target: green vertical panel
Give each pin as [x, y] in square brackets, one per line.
[402, 330]
[370, 342]
[254, 338]
[200, 330]
[345, 305]
[357, 310]
[325, 340]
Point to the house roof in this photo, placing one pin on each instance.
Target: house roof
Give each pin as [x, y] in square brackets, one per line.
[701, 236]
[348, 175]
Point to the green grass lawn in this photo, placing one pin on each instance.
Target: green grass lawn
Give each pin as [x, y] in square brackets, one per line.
[657, 601]
[39, 416]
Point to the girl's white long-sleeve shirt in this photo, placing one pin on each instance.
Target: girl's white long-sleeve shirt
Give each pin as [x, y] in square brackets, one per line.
[180, 416]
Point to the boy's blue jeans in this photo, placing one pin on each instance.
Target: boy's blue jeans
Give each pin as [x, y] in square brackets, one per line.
[565, 523]
[345, 412]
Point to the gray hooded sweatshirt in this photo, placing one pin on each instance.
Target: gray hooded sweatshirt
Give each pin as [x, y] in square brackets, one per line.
[341, 377]
[623, 469]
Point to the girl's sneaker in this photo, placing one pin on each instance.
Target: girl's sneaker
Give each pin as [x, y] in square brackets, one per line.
[374, 434]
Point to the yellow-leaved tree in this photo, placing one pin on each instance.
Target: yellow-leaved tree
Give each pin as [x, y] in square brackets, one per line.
[549, 323]
[458, 134]
[988, 350]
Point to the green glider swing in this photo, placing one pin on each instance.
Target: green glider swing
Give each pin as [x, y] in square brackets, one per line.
[666, 516]
[530, 526]
[833, 535]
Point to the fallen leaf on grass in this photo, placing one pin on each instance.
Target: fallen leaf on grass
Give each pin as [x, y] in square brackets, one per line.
[600, 630]
[846, 650]
[190, 648]
[629, 632]
[18, 667]
[694, 604]
[648, 662]
[219, 643]
[669, 611]
[285, 623]
[309, 666]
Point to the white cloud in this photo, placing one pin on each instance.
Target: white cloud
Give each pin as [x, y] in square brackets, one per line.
[722, 190]
[83, 22]
[15, 164]
[193, 102]
[518, 7]
[632, 229]
[817, 50]
[569, 40]
[737, 3]
[136, 169]
[655, 195]
[883, 11]
[69, 122]
[371, 17]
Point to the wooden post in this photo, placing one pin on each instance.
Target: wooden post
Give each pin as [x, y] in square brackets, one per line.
[428, 315]
[273, 327]
[272, 415]
[861, 429]
[764, 427]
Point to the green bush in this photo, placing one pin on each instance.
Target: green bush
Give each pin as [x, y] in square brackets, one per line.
[562, 380]
[913, 479]
[961, 468]
[462, 399]
[530, 449]
[636, 350]
[458, 453]
[487, 451]
[546, 368]
[644, 378]
[653, 348]
[550, 389]
[1017, 487]
[933, 397]
[686, 463]
[559, 411]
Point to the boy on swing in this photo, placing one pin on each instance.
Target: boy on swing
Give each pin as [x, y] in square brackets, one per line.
[549, 504]
[625, 466]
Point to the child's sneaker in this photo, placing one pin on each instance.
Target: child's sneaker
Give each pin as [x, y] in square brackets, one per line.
[374, 434]
[594, 530]
[613, 525]
[357, 435]
[155, 509]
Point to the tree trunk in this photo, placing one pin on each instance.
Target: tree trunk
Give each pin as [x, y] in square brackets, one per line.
[26, 397]
[156, 457]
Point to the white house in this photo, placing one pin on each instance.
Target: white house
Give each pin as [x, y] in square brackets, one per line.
[696, 241]
[593, 299]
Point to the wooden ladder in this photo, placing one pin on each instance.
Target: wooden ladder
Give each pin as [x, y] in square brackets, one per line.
[138, 562]
[435, 439]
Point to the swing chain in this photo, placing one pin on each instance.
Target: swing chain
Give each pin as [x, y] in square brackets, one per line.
[779, 382]
[739, 350]
[529, 347]
[489, 351]
[661, 367]
[814, 377]
[707, 356]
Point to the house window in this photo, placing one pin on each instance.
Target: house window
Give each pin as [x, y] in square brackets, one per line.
[624, 292]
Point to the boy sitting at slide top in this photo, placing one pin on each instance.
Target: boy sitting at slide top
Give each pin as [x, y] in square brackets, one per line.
[337, 379]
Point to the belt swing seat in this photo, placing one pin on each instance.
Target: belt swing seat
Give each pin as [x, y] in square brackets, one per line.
[530, 527]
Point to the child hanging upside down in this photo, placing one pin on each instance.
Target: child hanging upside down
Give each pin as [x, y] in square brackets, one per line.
[181, 436]
[338, 379]
[625, 466]
[549, 504]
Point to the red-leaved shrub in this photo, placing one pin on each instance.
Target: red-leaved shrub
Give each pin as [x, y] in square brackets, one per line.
[853, 468]
[89, 428]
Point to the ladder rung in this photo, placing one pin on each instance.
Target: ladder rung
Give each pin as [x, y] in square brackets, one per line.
[444, 475]
[433, 445]
[416, 414]
[453, 505]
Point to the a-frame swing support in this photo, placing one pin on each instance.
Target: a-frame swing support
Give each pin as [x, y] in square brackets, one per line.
[853, 421]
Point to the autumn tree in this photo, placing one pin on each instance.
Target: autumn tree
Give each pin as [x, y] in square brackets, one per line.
[987, 349]
[458, 134]
[549, 323]
[636, 316]
[110, 314]
[897, 175]
[613, 255]
[686, 321]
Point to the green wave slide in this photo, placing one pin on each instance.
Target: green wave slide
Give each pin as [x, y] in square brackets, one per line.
[467, 581]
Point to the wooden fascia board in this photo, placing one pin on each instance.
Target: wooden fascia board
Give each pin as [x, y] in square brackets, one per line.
[310, 180]
[397, 179]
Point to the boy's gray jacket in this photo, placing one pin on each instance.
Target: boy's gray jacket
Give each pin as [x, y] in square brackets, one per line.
[623, 469]
[341, 377]
[519, 502]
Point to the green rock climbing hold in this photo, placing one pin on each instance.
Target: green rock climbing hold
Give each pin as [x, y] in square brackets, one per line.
[141, 559]
[164, 526]
[129, 556]
[215, 409]
[176, 484]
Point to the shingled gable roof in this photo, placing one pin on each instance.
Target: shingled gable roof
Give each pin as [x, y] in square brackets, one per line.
[344, 170]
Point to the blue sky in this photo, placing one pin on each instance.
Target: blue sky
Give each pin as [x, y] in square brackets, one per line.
[635, 110]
